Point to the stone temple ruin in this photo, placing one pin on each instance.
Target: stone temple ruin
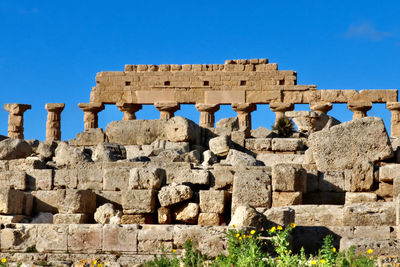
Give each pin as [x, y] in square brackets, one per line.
[123, 192]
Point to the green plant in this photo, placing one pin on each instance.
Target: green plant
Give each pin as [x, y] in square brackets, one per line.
[3, 262]
[31, 249]
[284, 127]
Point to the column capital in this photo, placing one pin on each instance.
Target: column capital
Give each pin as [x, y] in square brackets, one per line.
[393, 106]
[167, 106]
[323, 107]
[207, 107]
[54, 107]
[359, 106]
[129, 110]
[281, 107]
[17, 109]
[245, 107]
[91, 107]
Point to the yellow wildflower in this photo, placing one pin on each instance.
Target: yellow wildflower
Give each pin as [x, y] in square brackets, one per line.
[237, 235]
[334, 249]
[323, 261]
[190, 240]
[3, 260]
[216, 258]
[369, 251]
[250, 236]
[272, 229]
[244, 236]
[240, 238]
[99, 265]
[174, 250]
[279, 227]
[313, 262]
[293, 225]
[252, 232]
[234, 226]
[95, 262]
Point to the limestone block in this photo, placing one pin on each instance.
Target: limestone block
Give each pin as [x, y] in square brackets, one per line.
[108, 152]
[139, 201]
[107, 214]
[273, 159]
[379, 247]
[28, 203]
[13, 219]
[318, 215]
[18, 237]
[352, 198]
[14, 149]
[85, 238]
[77, 201]
[337, 96]
[213, 201]
[181, 147]
[289, 178]
[360, 178]
[209, 158]
[77, 218]
[186, 213]
[138, 219]
[238, 158]
[312, 177]
[191, 176]
[385, 190]
[151, 238]
[247, 216]
[13, 179]
[258, 144]
[228, 124]
[179, 129]
[11, 201]
[220, 145]
[378, 213]
[146, 178]
[280, 215]
[388, 172]
[90, 137]
[332, 181]
[261, 132]
[366, 140]
[52, 238]
[251, 187]
[120, 238]
[164, 215]
[43, 217]
[68, 155]
[210, 219]
[115, 179]
[222, 177]
[238, 137]
[66, 178]
[287, 144]
[324, 198]
[90, 178]
[26, 164]
[46, 201]
[114, 197]
[283, 199]
[40, 179]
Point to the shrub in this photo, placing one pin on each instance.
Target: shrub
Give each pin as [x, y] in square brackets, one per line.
[284, 127]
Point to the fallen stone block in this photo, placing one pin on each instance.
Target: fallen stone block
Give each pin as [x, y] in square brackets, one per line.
[173, 194]
[360, 178]
[272, 159]
[77, 218]
[387, 173]
[289, 178]
[179, 129]
[385, 190]
[40, 179]
[108, 152]
[186, 213]
[238, 158]
[46, 201]
[247, 216]
[66, 178]
[258, 145]
[11, 202]
[213, 201]
[164, 215]
[332, 181]
[76, 201]
[68, 155]
[90, 137]
[222, 177]
[220, 145]
[11, 148]
[378, 213]
[13, 179]
[283, 199]
[115, 179]
[26, 164]
[139, 201]
[227, 125]
[210, 219]
[287, 144]
[107, 214]
[261, 132]
[283, 216]
[352, 198]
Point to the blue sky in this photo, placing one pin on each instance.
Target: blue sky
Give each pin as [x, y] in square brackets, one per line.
[50, 51]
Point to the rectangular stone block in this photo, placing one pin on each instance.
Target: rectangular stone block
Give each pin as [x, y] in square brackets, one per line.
[90, 179]
[210, 219]
[331, 181]
[139, 201]
[146, 178]
[251, 187]
[66, 178]
[287, 144]
[25, 164]
[222, 177]
[385, 190]
[76, 201]
[85, 238]
[11, 201]
[78, 218]
[13, 219]
[289, 178]
[191, 176]
[120, 238]
[312, 178]
[52, 238]
[258, 145]
[115, 179]
[156, 232]
[13, 179]
[18, 237]
[272, 159]
[46, 201]
[40, 179]
[280, 215]
[114, 197]
[387, 173]
[318, 215]
[213, 201]
[352, 198]
[378, 213]
[283, 199]
[138, 219]
[360, 178]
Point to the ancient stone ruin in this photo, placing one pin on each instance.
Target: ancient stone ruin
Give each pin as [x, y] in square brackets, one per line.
[123, 192]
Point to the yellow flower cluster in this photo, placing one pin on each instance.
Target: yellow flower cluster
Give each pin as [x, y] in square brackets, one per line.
[3, 260]
[369, 251]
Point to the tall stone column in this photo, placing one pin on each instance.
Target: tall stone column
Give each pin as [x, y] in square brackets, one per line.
[359, 109]
[53, 124]
[129, 110]
[167, 109]
[279, 108]
[394, 108]
[323, 107]
[207, 117]
[16, 119]
[90, 117]
[243, 111]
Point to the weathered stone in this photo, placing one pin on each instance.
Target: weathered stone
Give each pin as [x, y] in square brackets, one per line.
[120, 238]
[66, 178]
[186, 213]
[52, 238]
[14, 219]
[280, 215]
[378, 213]
[107, 214]
[138, 219]
[220, 145]
[190, 176]
[287, 144]
[379, 247]
[227, 125]
[155, 238]
[46, 149]
[139, 201]
[46, 201]
[77, 201]
[385, 190]
[262, 132]
[273, 159]
[180, 147]
[222, 177]
[40, 179]
[173, 194]
[360, 178]
[179, 129]
[352, 198]
[366, 140]
[28, 203]
[146, 178]
[258, 144]
[77, 218]
[318, 215]
[11, 201]
[43, 217]
[108, 152]
[115, 179]
[247, 216]
[85, 238]
[324, 198]
[251, 188]
[236, 158]
[332, 181]
[27, 164]
[283, 199]
[388, 172]
[67, 155]
[209, 158]
[13, 179]
[210, 219]
[18, 237]
[289, 178]
[14, 149]
[213, 201]
[90, 178]
[90, 137]
[164, 215]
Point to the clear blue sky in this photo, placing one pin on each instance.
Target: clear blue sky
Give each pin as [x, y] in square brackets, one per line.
[50, 51]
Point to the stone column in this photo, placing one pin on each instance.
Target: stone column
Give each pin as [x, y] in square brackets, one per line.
[16, 119]
[323, 107]
[167, 109]
[394, 108]
[53, 124]
[90, 117]
[359, 109]
[129, 110]
[207, 118]
[279, 108]
[243, 111]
